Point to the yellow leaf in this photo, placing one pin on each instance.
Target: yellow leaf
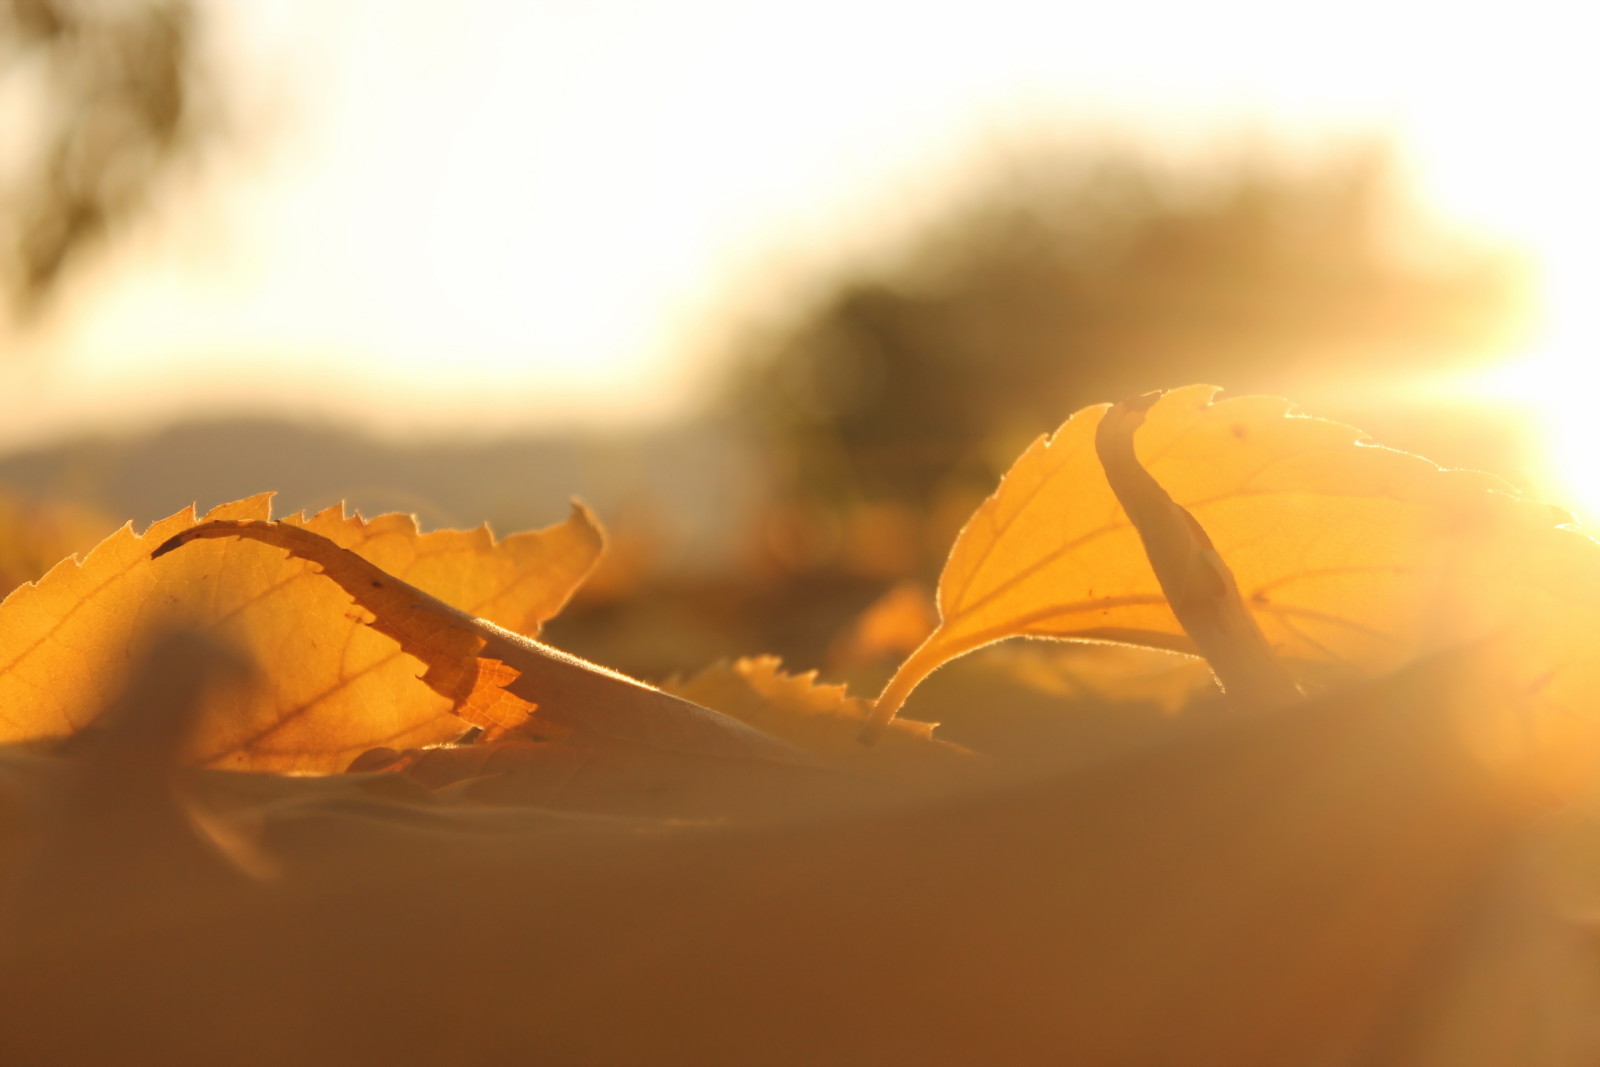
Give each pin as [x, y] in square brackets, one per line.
[1197, 582]
[419, 624]
[822, 719]
[332, 687]
[1354, 559]
[493, 676]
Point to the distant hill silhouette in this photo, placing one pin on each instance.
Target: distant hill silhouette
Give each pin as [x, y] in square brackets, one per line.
[694, 483]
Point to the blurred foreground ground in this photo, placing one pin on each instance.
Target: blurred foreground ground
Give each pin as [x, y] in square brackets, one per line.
[1339, 884]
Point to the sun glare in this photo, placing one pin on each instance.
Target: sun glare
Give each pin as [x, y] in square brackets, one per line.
[1552, 378]
[1524, 182]
[1552, 381]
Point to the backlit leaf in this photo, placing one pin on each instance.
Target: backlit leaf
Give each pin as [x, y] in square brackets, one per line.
[1197, 582]
[494, 677]
[332, 687]
[823, 719]
[1354, 559]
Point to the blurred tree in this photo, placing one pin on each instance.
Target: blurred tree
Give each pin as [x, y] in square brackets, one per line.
[1071, 281]
[105, 102]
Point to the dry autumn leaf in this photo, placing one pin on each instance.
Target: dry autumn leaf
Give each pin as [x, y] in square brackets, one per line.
[634, 773]
[822, 719]
[494, 677]
[331, 687]
[1354, 559]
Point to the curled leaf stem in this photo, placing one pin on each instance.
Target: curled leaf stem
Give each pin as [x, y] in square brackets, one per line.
[929, 656]
[1196, 580]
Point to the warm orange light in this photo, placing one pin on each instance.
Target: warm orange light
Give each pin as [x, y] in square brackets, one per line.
[1554, 382]
[1555, 377]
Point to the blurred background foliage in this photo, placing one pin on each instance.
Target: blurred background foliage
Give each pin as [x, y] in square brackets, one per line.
[1099, 275]
[1090, 273]
[116, 102]
[848, 434]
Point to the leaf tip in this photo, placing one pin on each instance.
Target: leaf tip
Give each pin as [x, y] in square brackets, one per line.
[586, 517]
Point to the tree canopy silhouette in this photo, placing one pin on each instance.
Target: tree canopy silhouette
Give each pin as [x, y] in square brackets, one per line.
[114, 100]
[1072, 279]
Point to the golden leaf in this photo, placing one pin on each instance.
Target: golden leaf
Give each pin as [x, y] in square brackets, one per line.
[1353, 559]
[493, 676]
[332, 687]
[823, 719]
[1197, 582]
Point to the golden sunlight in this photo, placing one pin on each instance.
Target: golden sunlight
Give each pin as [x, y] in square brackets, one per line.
[1554, 382]
[494, 476]
[1499, 155]
[1553, 377]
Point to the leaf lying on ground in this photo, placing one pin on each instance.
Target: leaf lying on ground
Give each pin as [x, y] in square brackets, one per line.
[474, 663]
[823, 719]
[474, 685]
[572, 768]
[1354, 559]
[331, 688]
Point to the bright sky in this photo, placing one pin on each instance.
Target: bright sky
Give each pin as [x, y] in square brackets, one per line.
[525, 213]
